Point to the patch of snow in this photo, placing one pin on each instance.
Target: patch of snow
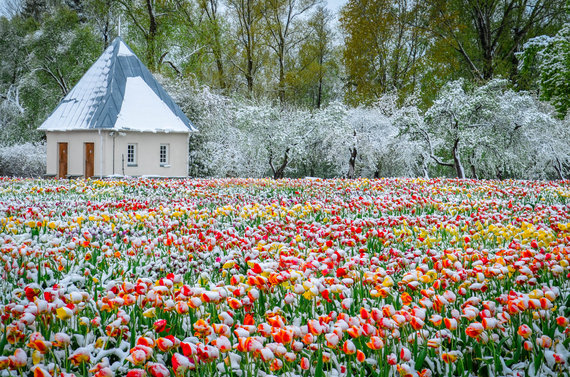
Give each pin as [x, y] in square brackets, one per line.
[124, 50]
[143, 110]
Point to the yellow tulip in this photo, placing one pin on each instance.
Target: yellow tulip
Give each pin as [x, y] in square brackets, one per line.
[150, 313]
[388, 282]
[64, 313]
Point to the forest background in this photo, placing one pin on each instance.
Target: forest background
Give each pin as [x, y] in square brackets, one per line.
[289, 88]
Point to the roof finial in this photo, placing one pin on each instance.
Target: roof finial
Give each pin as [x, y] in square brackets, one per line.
[119, 27]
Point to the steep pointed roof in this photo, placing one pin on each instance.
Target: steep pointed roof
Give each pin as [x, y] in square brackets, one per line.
[118, 93]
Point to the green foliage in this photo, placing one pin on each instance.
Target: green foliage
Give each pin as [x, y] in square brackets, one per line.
[41, 62]
[385, 45]
[311, 81]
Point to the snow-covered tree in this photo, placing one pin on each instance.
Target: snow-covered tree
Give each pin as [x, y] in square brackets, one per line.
[366, 141]
[276, 135]
[492, 129]
[550, 58]
[23, 160]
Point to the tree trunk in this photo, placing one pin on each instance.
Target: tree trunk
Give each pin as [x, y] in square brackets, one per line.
[352, 163]
[281, 75]
[457, 161]
[151, 37]
[249, 74]
[279, 172]
[320, 87]
[473, 171]
[558, 168]
[221, 74]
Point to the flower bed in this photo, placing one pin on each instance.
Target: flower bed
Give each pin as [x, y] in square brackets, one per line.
[292, 277]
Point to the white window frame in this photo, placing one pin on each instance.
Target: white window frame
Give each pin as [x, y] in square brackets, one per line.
[165, 163]
[134, 161]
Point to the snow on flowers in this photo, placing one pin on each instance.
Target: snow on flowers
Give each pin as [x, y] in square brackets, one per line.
[241, 277]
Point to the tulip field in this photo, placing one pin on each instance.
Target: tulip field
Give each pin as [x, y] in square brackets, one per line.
[259, 277]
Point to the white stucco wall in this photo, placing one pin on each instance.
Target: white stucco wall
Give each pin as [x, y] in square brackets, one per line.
[147, 156]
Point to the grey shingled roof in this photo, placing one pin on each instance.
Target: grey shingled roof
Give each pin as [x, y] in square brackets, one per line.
[95, 101]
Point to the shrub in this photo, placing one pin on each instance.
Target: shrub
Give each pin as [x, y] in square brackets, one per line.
[23, 160]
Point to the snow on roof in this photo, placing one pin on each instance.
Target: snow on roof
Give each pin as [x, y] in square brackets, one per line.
[124, 50]
[118, 93]
[142, 110]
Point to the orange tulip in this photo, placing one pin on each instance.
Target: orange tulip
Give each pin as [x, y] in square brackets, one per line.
[375, 343]
[405, 370]
[146, 341]
[416, 323]
[304, 363]
[524, 331]
[314, 327]
[544, 341]
[332, 340]
[164, 344]
[436, 319]
[450, 323]
[80, 356]
[308, 339]
[527, 346]
[283, 336]
[139, 355]
[349, 348]
[40, 372]
[61, 340]
[474, 329]
[354, 331]
[19, 359]
[249, 320]
[223, 344]
[4, 362]
[202, 329]
[182, 307]
[266, 354]
[276, 365]
[38, 343]
[489, 323]
[406, 298]
[449, 357]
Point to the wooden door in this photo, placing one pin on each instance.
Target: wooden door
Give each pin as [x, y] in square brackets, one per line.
[89, 159]
[62, 159]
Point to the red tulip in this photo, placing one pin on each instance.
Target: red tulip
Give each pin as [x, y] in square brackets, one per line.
[405, 354]
[158, 370]
[562, 321]
[160, 325]
[136, 373]
[180, 364]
